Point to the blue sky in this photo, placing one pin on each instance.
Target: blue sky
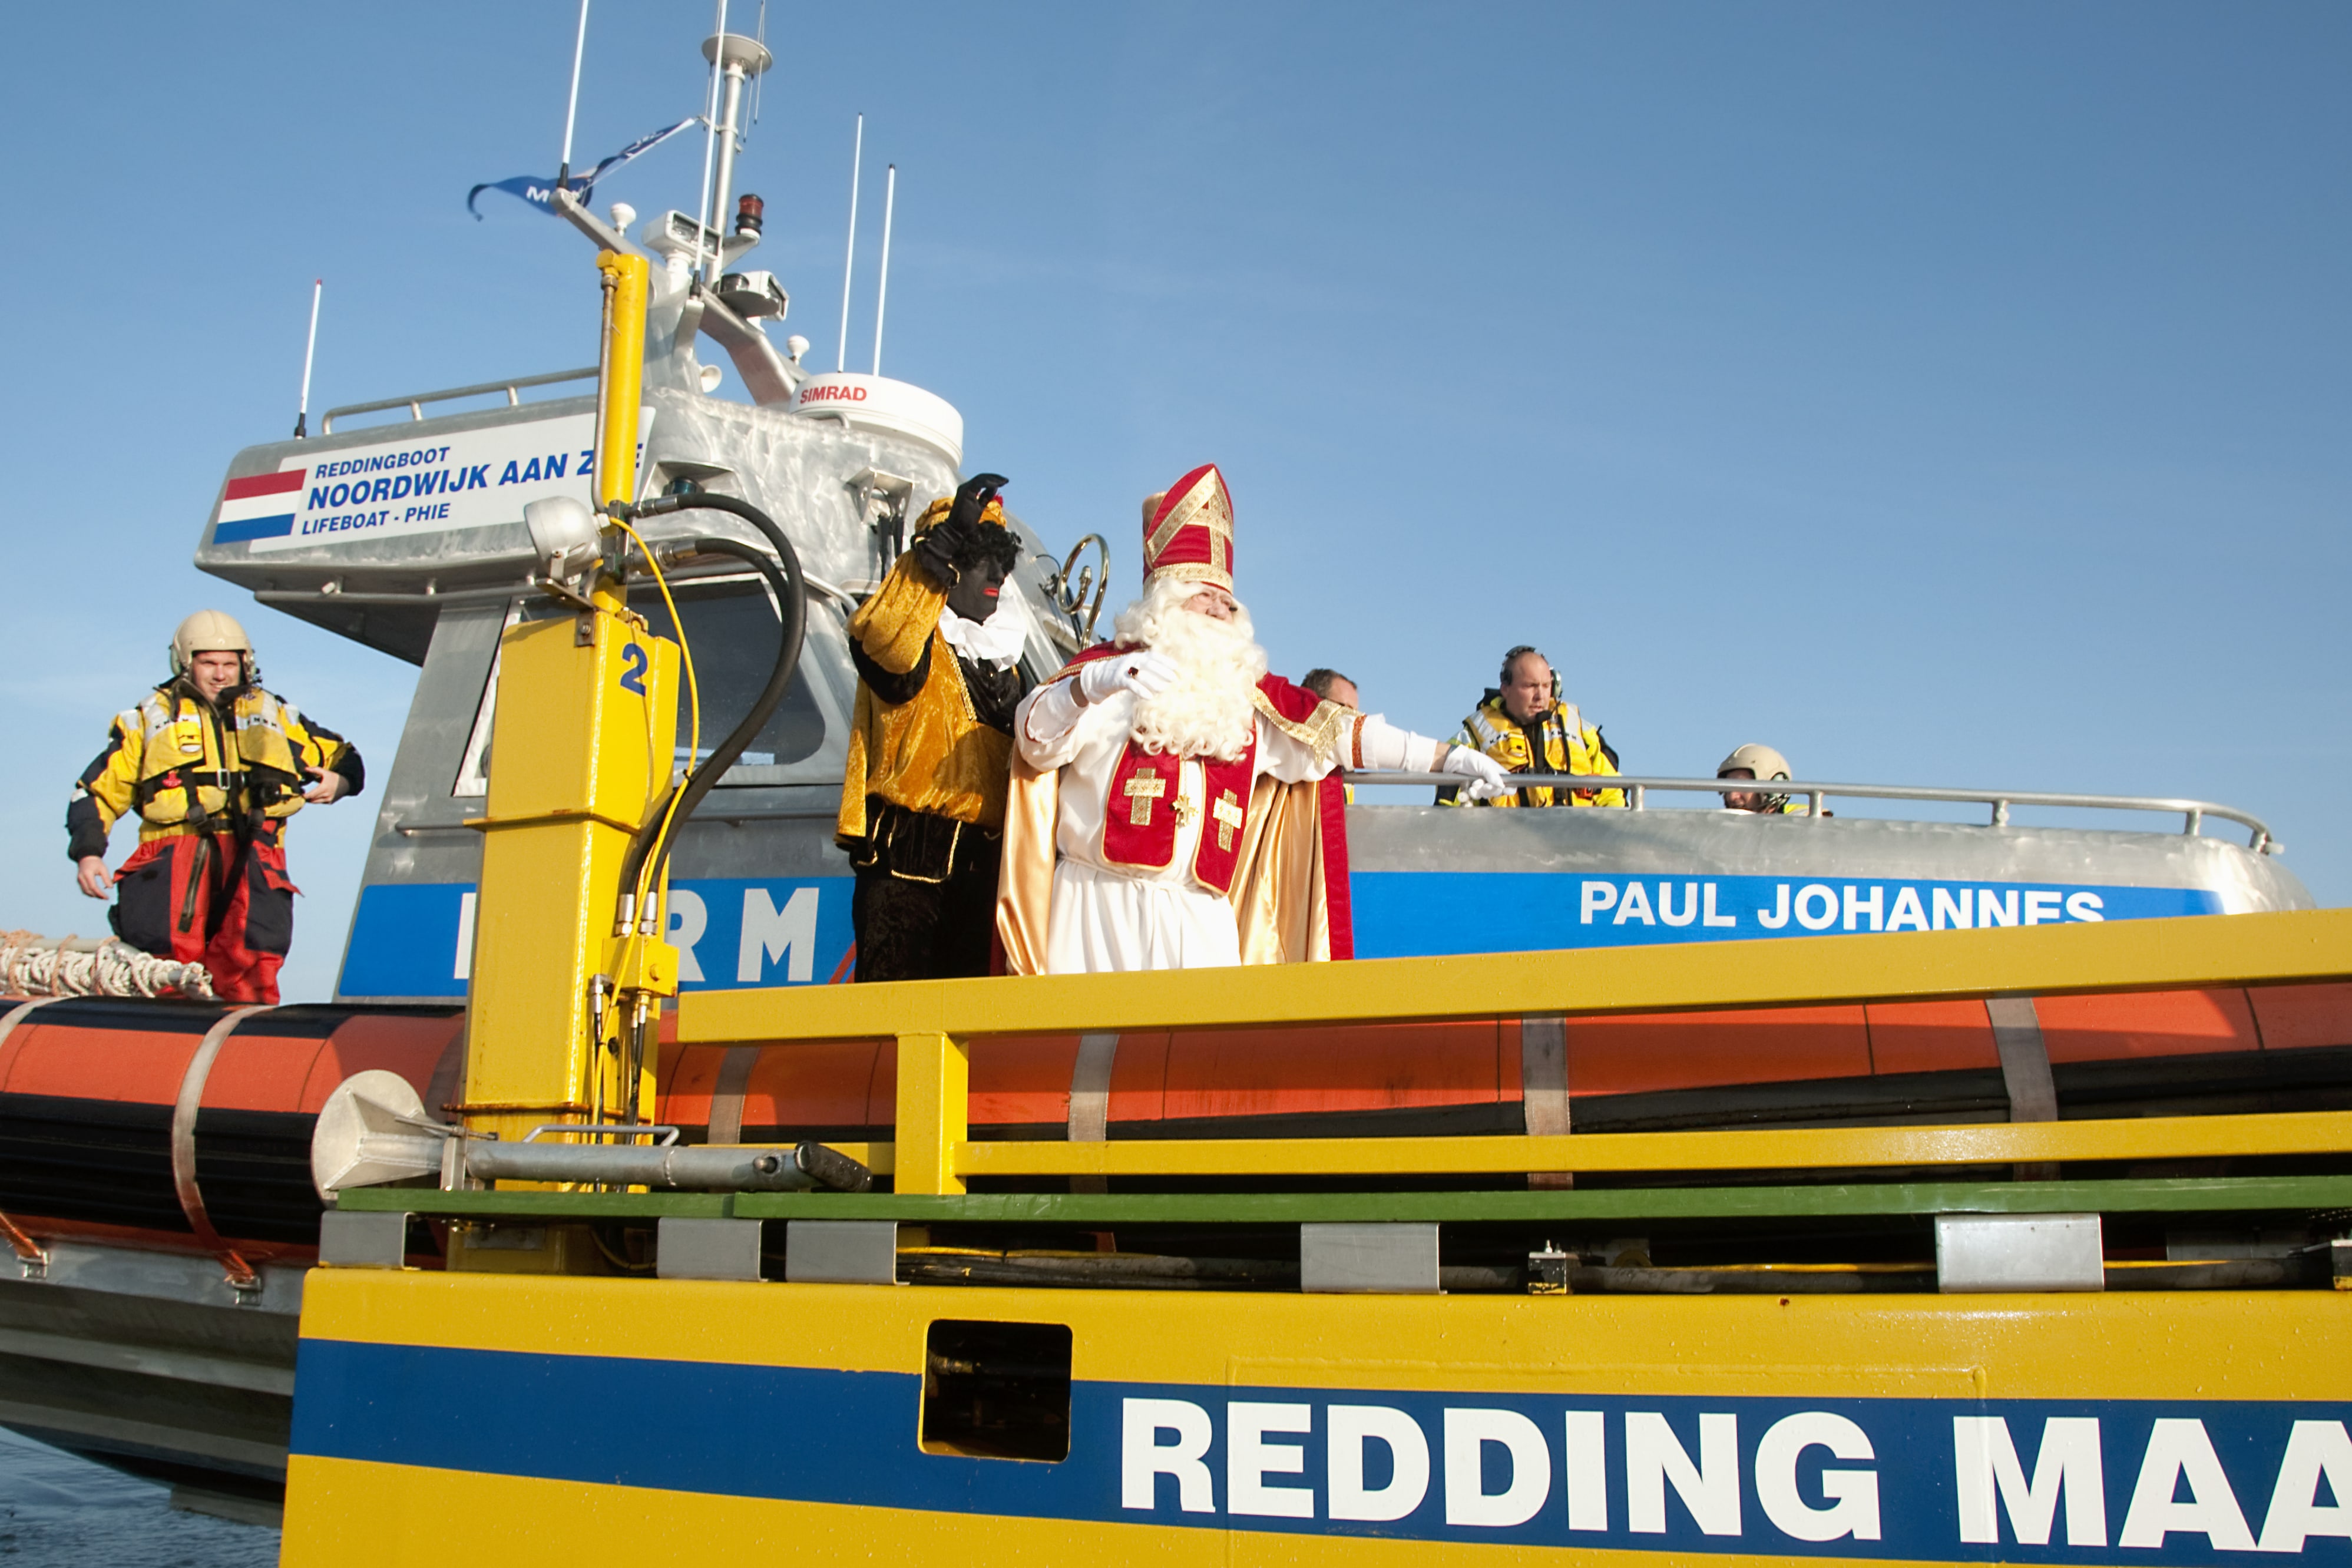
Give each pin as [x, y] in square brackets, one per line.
[1943, 394]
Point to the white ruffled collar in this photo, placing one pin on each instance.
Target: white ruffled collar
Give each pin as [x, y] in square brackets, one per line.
[996, 641]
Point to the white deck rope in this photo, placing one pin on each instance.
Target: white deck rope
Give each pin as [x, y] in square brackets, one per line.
[33, 965]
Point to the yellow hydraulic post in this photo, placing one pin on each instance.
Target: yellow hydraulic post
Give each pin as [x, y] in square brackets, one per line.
[584, 744]
[621, 380]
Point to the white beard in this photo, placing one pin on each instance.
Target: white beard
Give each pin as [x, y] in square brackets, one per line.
[1208, 711]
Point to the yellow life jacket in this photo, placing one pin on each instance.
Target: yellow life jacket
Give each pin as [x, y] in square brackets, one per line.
[195, 768]
[1569, 745]
[186, 766]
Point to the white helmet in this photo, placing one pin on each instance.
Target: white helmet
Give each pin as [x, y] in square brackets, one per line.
[1761, 763]
[211, 631]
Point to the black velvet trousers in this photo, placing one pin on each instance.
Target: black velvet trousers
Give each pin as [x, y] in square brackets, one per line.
[925, 931]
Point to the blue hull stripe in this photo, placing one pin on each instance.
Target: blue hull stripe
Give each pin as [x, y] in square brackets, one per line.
[406, 937]
[850, 1437]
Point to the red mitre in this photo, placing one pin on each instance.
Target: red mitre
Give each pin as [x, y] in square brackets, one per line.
[1190, 535]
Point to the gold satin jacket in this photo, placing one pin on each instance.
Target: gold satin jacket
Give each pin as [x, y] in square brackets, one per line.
[929, 750]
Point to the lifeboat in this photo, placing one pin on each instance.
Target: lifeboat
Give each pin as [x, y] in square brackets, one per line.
[157, 1183]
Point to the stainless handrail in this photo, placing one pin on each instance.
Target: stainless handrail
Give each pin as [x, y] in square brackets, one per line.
[364, 596]
[679, 575]
[512, 386]
[1637, 786]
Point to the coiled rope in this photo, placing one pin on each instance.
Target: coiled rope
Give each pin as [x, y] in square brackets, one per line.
[35, 965]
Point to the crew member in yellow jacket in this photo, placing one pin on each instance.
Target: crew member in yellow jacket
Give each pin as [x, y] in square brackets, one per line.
[214, 765]
[922, 800]
[1524, 726]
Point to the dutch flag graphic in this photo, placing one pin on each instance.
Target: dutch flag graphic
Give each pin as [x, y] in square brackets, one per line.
[262, 506]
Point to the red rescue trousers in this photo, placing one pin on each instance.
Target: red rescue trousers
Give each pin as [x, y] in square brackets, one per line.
[203, 898]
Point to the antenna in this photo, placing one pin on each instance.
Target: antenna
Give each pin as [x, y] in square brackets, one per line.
[882, 301]
[709, 148]
[849, 258]
[302, 413]
[738, 59]
[760, 36]
[571, 109]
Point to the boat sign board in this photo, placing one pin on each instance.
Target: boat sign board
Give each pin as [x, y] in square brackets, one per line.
[416, 940]
[393, 487]
[1401, 914]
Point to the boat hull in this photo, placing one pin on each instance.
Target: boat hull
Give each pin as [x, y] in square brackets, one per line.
[581, 1421]
[133, 1343]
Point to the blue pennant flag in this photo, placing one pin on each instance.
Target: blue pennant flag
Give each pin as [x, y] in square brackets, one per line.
[539, 191]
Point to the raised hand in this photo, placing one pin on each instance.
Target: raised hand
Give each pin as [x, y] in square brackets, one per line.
[940, 544]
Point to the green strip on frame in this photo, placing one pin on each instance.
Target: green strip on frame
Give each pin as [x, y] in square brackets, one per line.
[2169, 1195]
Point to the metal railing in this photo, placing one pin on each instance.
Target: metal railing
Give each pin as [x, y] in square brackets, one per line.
[512, 387]
[333, 590]
[1637, 788]
[934, 1022]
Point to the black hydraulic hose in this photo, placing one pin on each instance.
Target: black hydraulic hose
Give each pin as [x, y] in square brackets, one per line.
[792, 608]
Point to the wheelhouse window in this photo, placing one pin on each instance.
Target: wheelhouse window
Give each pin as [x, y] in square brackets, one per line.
[732, 624]
[733, 627]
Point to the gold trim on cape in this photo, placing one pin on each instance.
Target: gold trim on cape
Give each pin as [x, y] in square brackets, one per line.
[1280, 903]
[1024, 887]
[1319, 731]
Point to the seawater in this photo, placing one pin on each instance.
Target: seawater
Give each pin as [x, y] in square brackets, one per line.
[57, 1508]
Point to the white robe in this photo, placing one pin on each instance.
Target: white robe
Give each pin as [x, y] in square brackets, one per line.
[1107, 917]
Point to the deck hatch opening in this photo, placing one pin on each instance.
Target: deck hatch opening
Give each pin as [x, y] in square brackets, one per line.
[997, 1391]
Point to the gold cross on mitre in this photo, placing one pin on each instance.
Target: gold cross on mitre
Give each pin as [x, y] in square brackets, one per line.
[1144, 788]
[1228, 813]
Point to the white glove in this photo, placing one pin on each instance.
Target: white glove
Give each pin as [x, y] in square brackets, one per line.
[1140, 670]
[1485, 774]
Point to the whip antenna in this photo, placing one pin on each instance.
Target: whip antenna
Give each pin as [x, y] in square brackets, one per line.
[702, 252]
[572, 107]
[849, 258]
[761, 36]
[882, 301]
[310, 349]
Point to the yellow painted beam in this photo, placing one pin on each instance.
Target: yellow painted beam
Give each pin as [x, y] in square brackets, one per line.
[2139, 1138]
[934, 1098]
[2117, 955]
